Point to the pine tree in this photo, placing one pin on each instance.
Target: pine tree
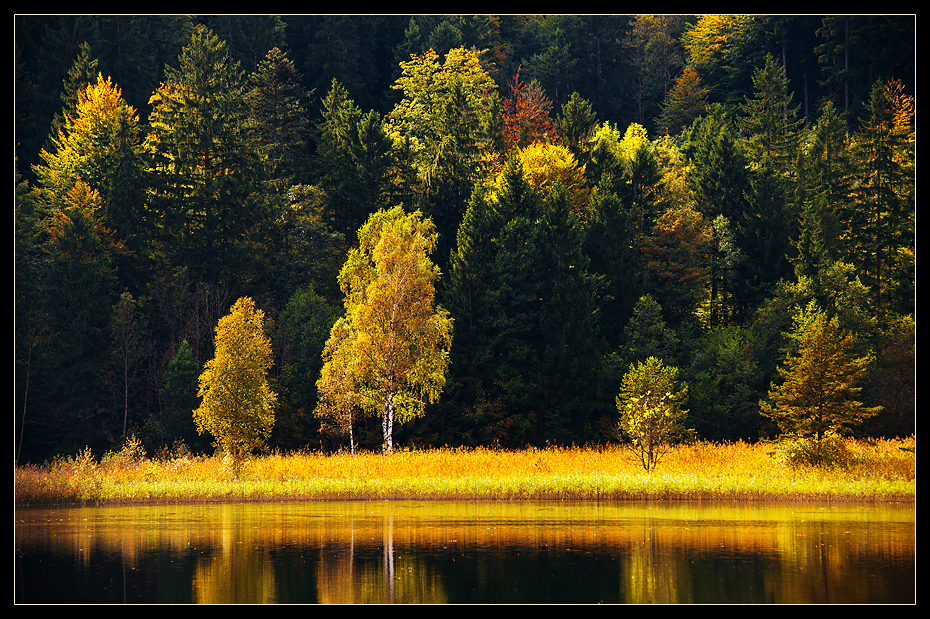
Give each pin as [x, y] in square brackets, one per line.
[817, 393]
[355, 161]
[826, 198]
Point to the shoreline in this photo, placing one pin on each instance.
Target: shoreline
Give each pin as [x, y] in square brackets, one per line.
[875, 472]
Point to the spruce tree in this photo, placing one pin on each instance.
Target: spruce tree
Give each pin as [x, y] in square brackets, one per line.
[818, 391]
[279, 108]
[205, 171]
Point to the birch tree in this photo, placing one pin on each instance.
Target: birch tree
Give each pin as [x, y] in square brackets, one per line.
[388, 355]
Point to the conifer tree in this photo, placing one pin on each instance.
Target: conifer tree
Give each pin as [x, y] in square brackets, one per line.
[81, 74]
[770, 123]
[205, 171]
[99, 145]
[354, 160]
[880, 223]
[686, 101]
[526, 115]
[575, 127]
[279, 108]
[179, 394]
[818, 394]
[648, 335]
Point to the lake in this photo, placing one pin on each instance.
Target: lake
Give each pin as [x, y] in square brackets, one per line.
[488, 552]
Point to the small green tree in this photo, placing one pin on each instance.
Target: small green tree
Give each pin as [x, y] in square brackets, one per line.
[816, 397]
[651, 412]
[238, 404]
[179, 395]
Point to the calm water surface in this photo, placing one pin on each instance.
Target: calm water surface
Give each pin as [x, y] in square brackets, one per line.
[467, 552]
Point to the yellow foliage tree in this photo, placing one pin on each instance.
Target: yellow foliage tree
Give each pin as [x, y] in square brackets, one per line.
[547, 166]
[238, 404]
[816, 398]
[651, 412]
[390, 351]
[98, 146]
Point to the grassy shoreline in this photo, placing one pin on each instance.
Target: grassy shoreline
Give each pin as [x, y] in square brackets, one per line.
[879, 471]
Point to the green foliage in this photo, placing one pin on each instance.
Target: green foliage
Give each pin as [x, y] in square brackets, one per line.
[880, 234]
[204, 182]
[303, 328]
[651, 412]
[354, 162]
[648, 335]
[575, 126]
[450, 121]
[279, 107]
[98, 144]
[204, 169]
[725, 383]
[527, 334]
[769, 121]
[180, 400]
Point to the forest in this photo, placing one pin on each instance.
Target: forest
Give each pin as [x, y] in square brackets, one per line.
[604, 190]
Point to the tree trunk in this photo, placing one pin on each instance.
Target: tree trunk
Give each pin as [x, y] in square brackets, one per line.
[387, 422]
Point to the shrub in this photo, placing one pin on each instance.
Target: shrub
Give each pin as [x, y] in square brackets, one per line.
[831, 450]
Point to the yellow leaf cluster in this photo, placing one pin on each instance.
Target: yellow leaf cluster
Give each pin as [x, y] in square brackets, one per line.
[390, 352]
[238, 404]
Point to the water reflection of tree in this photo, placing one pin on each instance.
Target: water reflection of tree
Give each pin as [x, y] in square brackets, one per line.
[379, 552]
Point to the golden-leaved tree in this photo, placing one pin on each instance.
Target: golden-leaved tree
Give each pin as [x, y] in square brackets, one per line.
[650, 404]
[389, 353]
[238, 404]
[817, 397]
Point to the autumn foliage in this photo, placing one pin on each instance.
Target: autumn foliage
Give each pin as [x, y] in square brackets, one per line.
[238, 404]
[526, 115]
[388, 355]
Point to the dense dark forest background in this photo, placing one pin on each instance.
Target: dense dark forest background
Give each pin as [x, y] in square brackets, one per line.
[606, 188]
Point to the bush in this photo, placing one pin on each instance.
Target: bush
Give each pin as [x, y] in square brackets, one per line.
[829, 451]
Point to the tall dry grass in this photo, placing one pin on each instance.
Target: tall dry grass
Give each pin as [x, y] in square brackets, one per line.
[874, 470]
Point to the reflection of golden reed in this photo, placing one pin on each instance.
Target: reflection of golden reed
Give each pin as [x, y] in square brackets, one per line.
[371, 551]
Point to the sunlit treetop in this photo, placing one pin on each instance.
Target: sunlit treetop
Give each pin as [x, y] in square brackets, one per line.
[103, 124]
[427, 84]
[708, 42]
[548, 166]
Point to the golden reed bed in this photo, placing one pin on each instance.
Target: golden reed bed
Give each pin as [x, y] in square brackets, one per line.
[880, 470]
